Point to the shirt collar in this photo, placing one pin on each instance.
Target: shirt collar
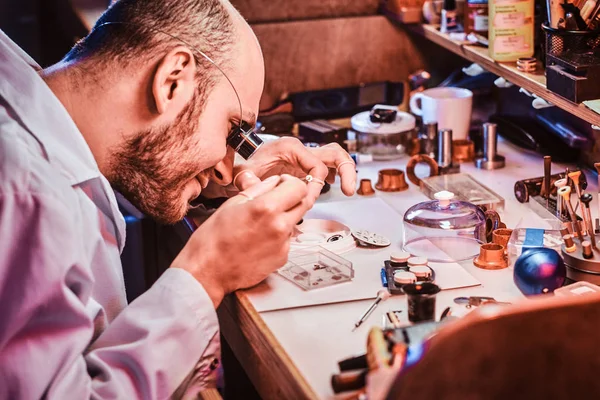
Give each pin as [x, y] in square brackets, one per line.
[40, 111]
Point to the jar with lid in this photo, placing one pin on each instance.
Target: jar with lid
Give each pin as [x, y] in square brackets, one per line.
[445, 229]
[384, 141]
[476, 17]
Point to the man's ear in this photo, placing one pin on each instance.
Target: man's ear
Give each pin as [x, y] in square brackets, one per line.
[173, 82]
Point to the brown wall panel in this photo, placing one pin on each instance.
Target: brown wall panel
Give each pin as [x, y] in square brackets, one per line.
[284, 10]
[333, 53]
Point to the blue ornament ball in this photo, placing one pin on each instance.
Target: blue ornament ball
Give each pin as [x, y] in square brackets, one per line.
[539, 270]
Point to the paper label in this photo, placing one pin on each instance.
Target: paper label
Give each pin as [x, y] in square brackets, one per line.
[510, 20]
[511, 44]
[480, 23]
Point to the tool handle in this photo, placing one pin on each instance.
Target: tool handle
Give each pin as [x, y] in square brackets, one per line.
[547, 174]
[359, 362]
[347, 381]
[586, 199]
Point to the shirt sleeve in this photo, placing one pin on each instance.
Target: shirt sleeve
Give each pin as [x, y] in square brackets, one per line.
[46, 331]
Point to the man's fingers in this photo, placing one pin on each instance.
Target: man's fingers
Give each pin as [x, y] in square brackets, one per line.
[347, 173]
[286, 195]
[256, 190]
[333, 156]
[310, 165]
[245, 179]
[297, 213]
[331, 176]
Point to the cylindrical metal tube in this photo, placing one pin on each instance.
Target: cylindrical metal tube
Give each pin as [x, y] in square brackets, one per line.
[444, 148]
[586, 199]
[587, 249]
[559, 200]
[597, 166]
[565, 192]
[569, 243]
[428, 139]
[431, 130]
[490, 138]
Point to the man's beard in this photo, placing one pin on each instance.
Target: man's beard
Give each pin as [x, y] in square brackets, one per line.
[152, 168]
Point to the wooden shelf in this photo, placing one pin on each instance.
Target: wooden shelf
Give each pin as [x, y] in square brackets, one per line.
[532, 82]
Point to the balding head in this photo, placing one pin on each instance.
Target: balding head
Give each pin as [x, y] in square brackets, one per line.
[156, 110]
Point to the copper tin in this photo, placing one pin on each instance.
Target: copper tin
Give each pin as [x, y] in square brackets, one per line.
[463, 150]
[391, 180]
[491, 256]
[365, 188]
[501, 237]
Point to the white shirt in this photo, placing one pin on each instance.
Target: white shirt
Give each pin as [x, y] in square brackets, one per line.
[66, 331]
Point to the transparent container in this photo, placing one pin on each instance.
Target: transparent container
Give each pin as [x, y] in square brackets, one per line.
[384, 141]
[444, 230]
[532, 237]
[315, 267]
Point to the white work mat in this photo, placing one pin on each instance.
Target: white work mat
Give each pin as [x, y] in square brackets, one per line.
[373, 214]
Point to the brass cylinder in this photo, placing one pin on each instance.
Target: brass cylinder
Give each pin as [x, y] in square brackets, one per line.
[501, 237]
[491, 256]
[463, 150]
[365, 188]
[391, 180]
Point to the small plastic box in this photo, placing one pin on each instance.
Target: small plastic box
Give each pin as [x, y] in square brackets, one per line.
[577, 289]
[465, 188]
[523, 238]
[315, 267]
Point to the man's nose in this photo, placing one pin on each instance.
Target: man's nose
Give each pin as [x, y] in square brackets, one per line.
[222, 173]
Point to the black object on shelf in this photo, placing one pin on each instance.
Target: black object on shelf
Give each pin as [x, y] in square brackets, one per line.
[573, 63]
[575, 77]
[345, 102]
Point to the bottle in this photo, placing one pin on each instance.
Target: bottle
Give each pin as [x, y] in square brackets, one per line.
[449, 15]
[511, 29]
[476, 17]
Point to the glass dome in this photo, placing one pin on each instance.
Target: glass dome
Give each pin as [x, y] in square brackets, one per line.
[444, 230]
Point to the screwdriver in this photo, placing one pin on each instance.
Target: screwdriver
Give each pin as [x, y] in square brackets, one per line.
[382, 295]
[565, 192]
[586, 199]
[575, 175]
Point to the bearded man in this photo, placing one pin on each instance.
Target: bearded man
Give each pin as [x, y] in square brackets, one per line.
[147, 104]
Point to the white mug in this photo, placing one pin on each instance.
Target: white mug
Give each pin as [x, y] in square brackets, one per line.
[449, 107]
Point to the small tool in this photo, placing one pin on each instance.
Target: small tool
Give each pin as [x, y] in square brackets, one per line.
[597, 166]
[586, 199]
[547, 173]
[565, 192]
[382, 295]
[476, 301]
[575, 175]
[392, 316]
[559, 200]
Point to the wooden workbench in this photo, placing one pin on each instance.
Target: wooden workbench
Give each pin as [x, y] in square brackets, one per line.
[291, 354]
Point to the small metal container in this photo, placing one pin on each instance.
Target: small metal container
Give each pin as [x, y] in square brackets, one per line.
[384, 141]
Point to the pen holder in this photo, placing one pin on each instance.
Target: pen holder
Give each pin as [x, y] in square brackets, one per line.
[561, 41]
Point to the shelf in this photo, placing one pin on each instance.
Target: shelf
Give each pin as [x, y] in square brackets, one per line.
[532, 82]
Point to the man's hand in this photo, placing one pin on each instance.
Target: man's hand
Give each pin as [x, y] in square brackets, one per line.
[247, 238]
[289, 156]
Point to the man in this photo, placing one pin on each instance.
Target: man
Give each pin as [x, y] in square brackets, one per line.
[144, 103]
